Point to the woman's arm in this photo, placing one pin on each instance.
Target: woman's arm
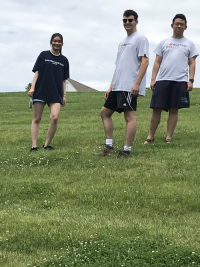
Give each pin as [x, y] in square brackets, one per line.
[64, 93]
[32, 90]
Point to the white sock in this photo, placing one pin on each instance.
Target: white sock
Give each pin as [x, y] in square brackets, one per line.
[109, 142]
[127, 148]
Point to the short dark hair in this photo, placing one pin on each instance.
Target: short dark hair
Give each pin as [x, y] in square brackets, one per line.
[55, 35]
[130, 12]
[179, 16]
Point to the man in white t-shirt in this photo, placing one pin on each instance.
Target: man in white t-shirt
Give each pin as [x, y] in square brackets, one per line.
[171, 88]
[129, 81]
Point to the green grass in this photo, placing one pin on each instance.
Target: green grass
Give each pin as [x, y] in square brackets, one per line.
[68, 207]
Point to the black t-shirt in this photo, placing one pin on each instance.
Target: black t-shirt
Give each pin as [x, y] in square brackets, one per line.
[53, 70]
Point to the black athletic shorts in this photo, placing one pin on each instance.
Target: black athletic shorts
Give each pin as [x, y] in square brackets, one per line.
[170, 94]
[120, 101]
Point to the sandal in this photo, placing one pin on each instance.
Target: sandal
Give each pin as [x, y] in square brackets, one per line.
[167, 140]
[148, 141]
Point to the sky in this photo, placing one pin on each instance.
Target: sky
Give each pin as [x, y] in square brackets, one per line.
[91, 30]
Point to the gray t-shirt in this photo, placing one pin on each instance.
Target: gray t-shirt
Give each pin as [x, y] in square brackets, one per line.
[175, 54]
[128, 62]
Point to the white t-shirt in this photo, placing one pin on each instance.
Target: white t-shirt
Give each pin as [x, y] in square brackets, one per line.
[175, 54]
[128, 62]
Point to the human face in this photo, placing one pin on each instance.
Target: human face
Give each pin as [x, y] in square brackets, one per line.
[57, 43]
[130, 27]
[179, 26]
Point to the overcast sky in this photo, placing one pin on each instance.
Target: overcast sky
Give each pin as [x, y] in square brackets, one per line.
[92, 31]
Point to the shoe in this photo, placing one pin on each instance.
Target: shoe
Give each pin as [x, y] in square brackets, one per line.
[167, 140]
[33, 149]
[148, 141]
[48, 147]
[123, 154]
[107, 151]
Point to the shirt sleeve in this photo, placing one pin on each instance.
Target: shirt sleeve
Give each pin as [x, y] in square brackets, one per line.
[158, 50]
[143, 48]
[38, 63]
[66, 70]
[193, 51]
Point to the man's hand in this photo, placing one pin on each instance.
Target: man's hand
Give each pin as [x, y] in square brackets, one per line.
[135, 90]
[31, 92]
[189, 86]
[152, 85]
[107, 93]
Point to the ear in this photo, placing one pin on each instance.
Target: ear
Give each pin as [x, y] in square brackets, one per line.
[185, 27]
[172, 25]
[137, 21]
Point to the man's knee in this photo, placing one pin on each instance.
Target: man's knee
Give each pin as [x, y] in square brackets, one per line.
[173, 111]
[157, 110]
[130, 116]
[105, 113]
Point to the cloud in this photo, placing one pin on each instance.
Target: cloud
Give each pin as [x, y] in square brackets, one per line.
[91, 31]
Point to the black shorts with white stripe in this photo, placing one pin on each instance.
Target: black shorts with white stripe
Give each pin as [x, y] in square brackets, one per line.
[120, 101]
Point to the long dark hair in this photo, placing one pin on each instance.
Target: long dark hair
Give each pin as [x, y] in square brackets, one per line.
[55, 35]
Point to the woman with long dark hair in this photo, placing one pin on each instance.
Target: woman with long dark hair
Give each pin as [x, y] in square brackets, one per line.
[49, 87]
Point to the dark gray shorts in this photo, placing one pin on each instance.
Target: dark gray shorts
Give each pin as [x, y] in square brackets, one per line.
[120, 101]
[170, 94]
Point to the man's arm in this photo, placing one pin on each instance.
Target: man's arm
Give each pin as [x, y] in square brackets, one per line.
[143, 67]
[192, 64]
[108, 92]
[155, 70]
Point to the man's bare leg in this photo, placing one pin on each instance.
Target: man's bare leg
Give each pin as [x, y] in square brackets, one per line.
[155, 120]
[54, 115]
[38, 108]
[130, 118]
[106, 115]
[172, 122]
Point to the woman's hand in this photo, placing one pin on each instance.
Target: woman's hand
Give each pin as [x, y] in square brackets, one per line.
[31, 92]
[64, 101]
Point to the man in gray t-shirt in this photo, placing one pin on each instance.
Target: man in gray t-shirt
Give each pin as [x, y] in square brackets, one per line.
[174, 56]
[128, 82]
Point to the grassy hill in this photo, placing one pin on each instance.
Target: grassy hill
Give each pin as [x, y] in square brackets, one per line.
[68, 207]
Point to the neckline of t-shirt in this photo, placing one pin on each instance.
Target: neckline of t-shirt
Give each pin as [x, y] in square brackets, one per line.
[132, 34]
[178, 39]
[53, 54]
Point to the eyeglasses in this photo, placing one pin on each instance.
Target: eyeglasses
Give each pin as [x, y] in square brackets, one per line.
[181, 24]
[129, 20]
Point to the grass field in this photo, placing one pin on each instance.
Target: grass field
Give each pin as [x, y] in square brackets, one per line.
[68, 207]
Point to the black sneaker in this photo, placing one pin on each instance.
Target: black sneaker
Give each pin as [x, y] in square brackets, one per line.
[48, 147]
[106, 151]
[123, 154]
[34, 149]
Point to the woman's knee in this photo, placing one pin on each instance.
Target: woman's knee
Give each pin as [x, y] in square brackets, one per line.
[54, 118]
[37, 119]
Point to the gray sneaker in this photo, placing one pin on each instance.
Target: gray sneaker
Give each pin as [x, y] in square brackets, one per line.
[106, 151]
[123, 154]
